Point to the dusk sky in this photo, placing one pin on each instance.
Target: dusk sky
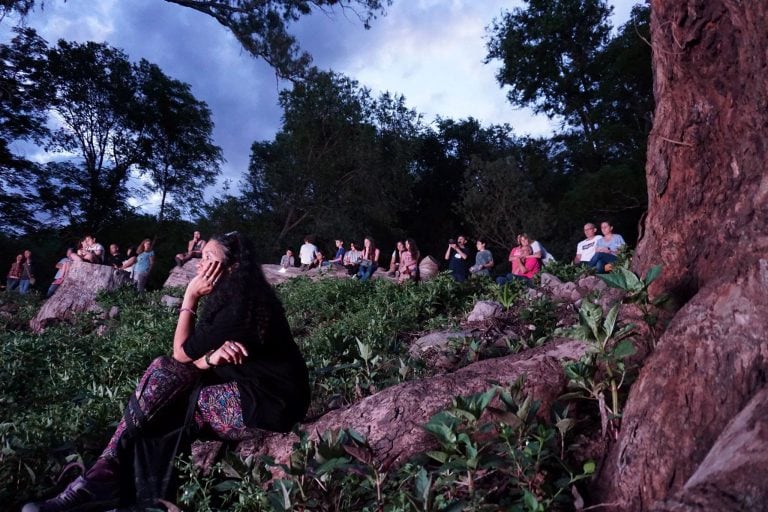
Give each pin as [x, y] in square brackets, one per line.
[431, 51]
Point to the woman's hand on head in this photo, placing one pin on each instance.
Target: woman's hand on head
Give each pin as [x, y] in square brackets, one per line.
[207, 276]
[231, 352]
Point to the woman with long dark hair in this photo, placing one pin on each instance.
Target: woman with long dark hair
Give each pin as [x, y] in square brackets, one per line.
[409, 262]
[370, 259]
[241, 350]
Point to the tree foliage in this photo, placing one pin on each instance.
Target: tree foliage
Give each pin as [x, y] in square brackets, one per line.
[339, 163]
[261, 26]
[181, 157]
[23, 102]
[549, 51]
[110, 120]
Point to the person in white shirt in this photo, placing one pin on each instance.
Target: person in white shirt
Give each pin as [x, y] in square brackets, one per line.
[307, 255]
[538, 250]
[585, 249]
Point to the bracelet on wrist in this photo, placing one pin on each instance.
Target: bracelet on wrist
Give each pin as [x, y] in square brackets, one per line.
[190, 310]
[207, 359]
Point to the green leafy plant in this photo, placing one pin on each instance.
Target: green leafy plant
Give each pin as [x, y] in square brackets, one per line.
[636, 292]
[602, 369]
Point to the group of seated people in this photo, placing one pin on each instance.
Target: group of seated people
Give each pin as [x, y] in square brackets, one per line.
[528, 256]
[138, 263]
[358, 263]
[526, 259]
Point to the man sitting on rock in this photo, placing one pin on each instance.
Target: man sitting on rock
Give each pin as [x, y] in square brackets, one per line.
[585, 249]
[194, 250]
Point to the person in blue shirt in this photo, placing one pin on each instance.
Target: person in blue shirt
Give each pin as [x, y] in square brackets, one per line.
[607, 248]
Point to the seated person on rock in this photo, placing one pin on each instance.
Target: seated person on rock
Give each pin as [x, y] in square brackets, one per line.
[607, 248]
[538, 250]
[394, 262]
[307, 254]
[483, 261]
[338, 258]
[352, 259]
[90, 251]
[370, 259]
[287, 261]
[409, 262]
[194, 250]
[238, 348]
[115, 258]
[585, 250]
[523, 269]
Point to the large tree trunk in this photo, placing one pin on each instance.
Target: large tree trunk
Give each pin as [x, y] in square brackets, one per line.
[708, 198]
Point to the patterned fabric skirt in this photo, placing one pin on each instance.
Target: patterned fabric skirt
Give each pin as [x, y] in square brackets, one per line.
[218, 413]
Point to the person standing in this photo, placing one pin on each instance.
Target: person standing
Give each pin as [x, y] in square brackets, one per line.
[585, 250]
[61, 273]
[457, 256]
[145, 260]
[27, 273]
[14, 274]
[142, 264]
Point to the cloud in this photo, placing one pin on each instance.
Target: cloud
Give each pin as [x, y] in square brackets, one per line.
[431, 51]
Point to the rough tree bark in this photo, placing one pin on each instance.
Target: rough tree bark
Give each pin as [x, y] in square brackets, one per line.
[77, 293]
[707, 224]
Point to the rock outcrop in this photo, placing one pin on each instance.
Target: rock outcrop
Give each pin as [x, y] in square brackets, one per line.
[77, 293]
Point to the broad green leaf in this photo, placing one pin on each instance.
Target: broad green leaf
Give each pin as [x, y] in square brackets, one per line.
[615, 279]
[423, 483]
[589, 467]
[610, 321]
[653, 273]
[440, 457]
[624, 349]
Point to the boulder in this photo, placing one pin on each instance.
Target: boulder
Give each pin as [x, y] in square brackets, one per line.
[485, 310]
[428, 268]
[181, 276]
[438, 340]
[77, 293]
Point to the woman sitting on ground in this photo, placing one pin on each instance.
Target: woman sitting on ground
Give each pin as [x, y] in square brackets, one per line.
[370, 259]
[409, 262]
[607, 248]
[241, 349]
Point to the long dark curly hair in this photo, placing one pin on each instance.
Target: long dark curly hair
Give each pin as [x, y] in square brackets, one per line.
[243, 286]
